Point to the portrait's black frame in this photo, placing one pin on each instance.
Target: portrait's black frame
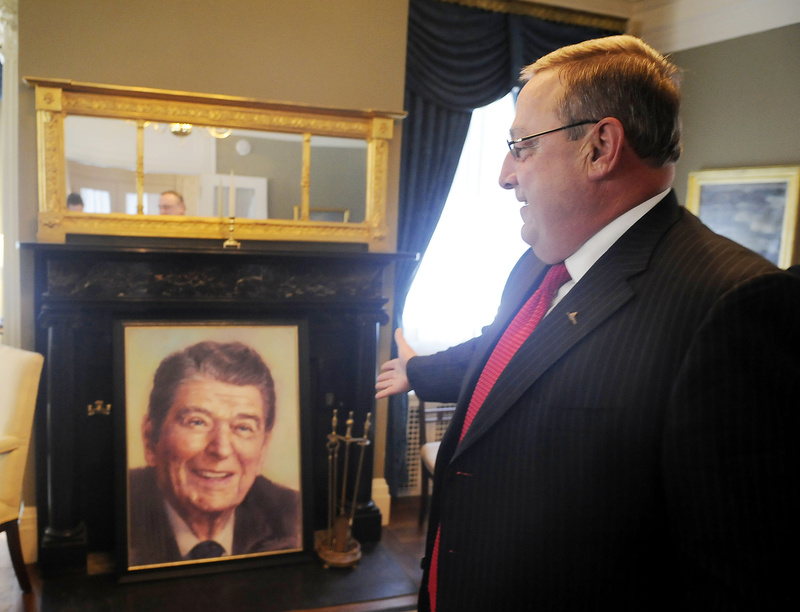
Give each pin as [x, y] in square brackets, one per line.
[127, 573]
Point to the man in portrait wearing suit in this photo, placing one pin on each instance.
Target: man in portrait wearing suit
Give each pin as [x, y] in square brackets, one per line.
[210, 415]
[638, 449]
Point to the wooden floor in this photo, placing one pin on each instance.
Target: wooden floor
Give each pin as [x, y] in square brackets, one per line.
[402, 538]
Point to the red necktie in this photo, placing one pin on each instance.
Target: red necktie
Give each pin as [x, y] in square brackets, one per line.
[515, 334]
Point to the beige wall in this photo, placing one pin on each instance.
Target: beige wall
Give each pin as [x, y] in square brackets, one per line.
[347, 53]
[741, 103]
[336, 53]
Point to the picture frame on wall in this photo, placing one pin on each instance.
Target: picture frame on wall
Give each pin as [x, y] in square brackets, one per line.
[756, 207]
[213, 460]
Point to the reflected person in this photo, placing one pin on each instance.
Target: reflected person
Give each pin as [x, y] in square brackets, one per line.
[202, 495]
[171, 203]
[74, 202]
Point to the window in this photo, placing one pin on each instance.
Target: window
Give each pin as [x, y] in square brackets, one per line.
[149, 203]
[459, 282]
[95, 200]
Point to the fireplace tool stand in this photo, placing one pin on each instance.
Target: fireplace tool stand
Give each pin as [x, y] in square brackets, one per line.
[336, 546]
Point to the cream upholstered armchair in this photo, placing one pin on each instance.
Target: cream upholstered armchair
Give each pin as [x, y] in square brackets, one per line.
[19, 384]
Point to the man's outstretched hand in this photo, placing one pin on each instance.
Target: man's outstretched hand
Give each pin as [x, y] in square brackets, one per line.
[393, 378]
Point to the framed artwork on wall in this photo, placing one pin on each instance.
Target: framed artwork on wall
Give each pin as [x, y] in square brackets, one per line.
[211, 463]
[756, 207]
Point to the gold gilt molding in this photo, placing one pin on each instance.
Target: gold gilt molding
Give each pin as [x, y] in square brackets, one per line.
[220, 116]
[378, 165]
[549, 13]
[54, 226]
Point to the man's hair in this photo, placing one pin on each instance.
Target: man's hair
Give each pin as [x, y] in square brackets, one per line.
[620, 77]
[234, 363]
[175, 193]
[73, 199]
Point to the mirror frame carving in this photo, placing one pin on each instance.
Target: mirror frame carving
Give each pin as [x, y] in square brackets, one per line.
[56, 98]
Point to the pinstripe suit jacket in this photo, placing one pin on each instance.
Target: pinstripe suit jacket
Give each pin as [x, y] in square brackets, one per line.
[643, 457]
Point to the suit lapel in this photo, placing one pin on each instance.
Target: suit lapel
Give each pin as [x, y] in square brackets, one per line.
[603, 290]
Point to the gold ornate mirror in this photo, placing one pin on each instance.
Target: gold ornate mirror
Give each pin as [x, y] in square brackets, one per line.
[282, 172]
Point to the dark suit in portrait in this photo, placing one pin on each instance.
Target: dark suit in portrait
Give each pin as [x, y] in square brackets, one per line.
[268, 519]
[640, 450]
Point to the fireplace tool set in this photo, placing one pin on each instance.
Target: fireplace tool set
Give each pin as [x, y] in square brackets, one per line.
[336, 546]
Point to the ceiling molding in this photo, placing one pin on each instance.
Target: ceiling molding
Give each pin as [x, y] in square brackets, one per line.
[676, 25]
[686, 24]
[549, 13]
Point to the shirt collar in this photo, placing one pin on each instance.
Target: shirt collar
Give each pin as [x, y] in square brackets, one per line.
[187, 540]
[593, 249]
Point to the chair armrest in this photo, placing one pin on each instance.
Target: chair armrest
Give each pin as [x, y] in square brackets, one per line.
[428, 453]
[9, 443]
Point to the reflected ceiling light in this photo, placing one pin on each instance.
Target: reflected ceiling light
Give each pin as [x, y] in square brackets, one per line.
[218, 133]
[181, 129]
[243, 147]
[184, 129]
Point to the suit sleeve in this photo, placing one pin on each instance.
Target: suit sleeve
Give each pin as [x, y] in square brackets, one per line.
[730, 453]
[438, 377]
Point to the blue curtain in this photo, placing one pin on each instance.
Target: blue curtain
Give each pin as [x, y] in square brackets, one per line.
[458, 58]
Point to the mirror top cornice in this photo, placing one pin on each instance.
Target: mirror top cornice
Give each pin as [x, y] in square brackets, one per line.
[57, 99]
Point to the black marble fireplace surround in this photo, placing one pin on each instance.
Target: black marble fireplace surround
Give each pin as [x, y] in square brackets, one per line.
[82, 291]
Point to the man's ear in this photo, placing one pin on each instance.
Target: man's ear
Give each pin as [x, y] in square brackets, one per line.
[606, 142]
[149, 443]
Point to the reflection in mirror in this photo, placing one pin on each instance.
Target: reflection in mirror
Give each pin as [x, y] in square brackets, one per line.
[101, 162]
[201, 163]
[338, 176]
[176, 157]
[265, 165]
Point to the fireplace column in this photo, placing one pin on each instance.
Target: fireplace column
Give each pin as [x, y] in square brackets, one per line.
[64, 539]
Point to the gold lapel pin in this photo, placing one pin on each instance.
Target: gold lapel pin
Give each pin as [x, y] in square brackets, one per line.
[573, 317]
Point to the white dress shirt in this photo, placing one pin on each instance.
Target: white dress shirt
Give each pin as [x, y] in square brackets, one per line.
[187, 540]
[593, 249]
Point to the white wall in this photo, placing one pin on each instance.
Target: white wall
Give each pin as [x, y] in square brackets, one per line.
[675, 25]
[685, 24]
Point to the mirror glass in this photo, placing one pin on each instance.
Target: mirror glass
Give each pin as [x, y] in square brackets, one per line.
[338, 174]
[100, 162]
[202, 162]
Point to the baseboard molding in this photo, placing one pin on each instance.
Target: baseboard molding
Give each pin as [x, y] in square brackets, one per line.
[382, 498]
[28, 535]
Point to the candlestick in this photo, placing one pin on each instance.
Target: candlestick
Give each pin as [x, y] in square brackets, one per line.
[232, 199]
[231, 242]
[220, 212]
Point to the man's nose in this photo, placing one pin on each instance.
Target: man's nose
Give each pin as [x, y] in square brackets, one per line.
[221, 441]
[508, 173]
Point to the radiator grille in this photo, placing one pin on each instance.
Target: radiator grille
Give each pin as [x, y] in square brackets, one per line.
[435, 430]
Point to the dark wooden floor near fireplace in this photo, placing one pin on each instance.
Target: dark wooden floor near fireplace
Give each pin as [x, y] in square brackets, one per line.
[395, 568]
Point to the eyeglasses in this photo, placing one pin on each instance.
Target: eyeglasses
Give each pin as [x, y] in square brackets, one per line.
[512, 144]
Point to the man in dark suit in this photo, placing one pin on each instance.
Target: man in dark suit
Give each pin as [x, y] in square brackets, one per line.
[211, 412]
[638, 449]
